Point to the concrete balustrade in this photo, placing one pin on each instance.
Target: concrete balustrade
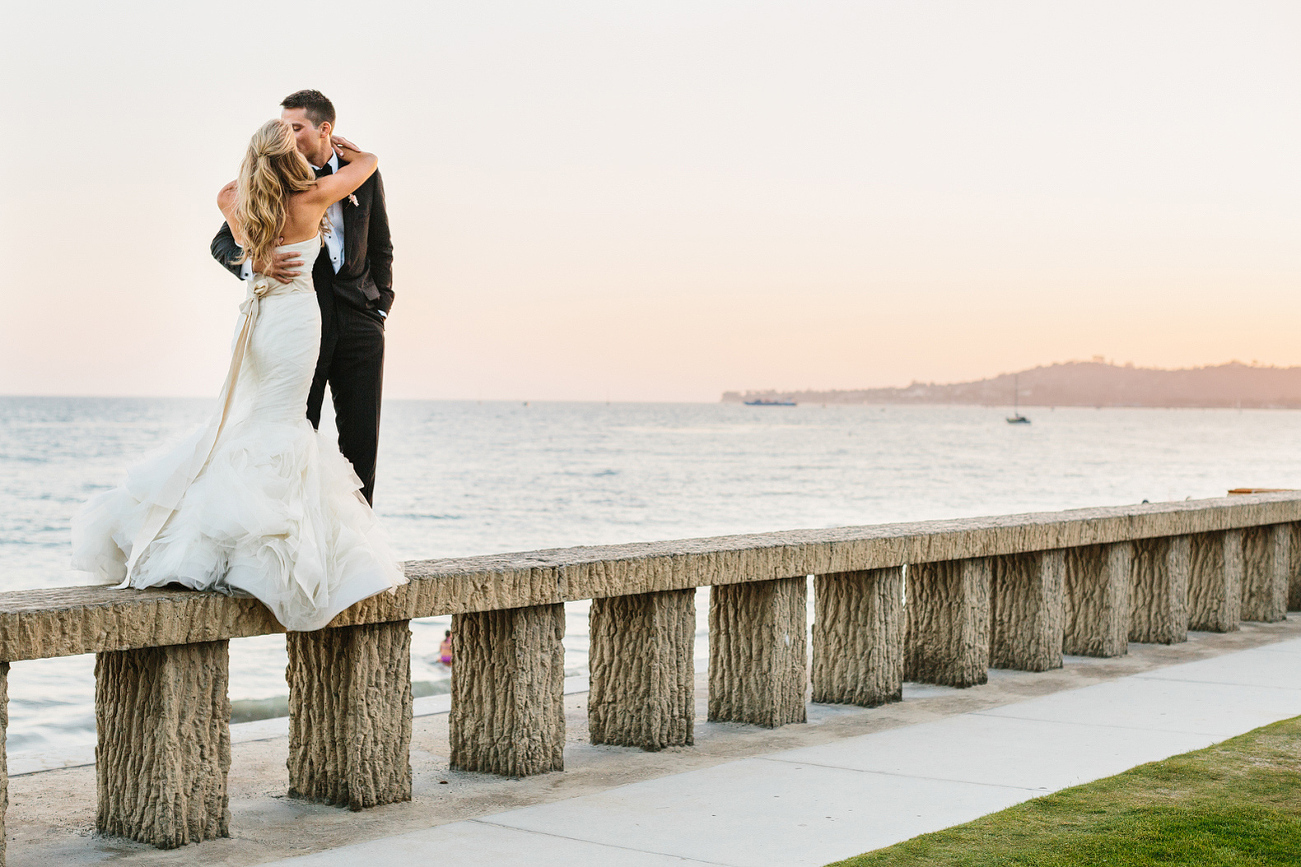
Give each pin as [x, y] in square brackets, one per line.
[858, 632]
[1265, 563]
[350, 714]
[1215, 581]
[643, 675]
[4, 758]
[937, 602]
[1295, 568]
[162, 717]
[757, 652]
[946, 623]
[508, 691]
[1158, 590]
[1095, 605]
[1025, 611]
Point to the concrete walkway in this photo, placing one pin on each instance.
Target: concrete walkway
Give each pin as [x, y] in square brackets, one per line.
[817, 804]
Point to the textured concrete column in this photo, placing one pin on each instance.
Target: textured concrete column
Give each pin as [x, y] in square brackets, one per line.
[858, 637]
[350, 714]
[508, 683]
[1025, 611]
[1265, 563]
[757, 652]
[1294, 569]
[947, 623]
[163, 726]
[1096, 604]
[1215, 581]
[4, 761]
[1158, 594]
[642, 660]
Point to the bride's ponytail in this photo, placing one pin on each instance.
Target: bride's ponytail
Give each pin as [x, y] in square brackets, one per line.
[272, 170]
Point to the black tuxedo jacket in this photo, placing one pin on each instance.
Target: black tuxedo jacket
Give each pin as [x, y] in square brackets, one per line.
[366, 279]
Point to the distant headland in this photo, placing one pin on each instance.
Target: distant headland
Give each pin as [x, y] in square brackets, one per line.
[1082, 383]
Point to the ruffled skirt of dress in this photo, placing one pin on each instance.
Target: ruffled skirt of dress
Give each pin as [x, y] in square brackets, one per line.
[276, 514]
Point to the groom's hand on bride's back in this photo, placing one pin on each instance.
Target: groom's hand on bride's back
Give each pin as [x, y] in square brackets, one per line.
[283, 267]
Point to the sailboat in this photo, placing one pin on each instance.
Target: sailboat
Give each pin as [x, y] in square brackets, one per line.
[1016, 417]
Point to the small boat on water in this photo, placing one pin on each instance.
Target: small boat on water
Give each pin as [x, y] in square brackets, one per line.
[1016, 417]
[763, 401]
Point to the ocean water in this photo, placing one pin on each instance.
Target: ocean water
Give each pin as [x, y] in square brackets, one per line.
[462, 478]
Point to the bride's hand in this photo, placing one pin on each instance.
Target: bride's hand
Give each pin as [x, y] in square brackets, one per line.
[341, 145]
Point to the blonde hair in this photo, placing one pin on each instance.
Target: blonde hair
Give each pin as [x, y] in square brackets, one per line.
[271, 172]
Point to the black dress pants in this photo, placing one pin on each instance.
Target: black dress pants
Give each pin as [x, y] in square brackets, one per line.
[352, 364]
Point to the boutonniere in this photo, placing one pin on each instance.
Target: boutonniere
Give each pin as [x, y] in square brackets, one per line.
[353, 198]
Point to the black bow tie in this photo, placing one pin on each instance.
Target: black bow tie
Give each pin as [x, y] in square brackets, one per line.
[323, 171]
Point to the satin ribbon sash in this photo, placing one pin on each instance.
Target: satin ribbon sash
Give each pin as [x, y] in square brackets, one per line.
[170, 493]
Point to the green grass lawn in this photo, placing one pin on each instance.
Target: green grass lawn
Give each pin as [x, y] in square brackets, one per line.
[1236, 803]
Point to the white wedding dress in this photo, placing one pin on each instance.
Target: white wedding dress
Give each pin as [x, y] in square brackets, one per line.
[255, 501]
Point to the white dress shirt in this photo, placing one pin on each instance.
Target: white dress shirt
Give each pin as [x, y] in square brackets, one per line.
[334, 234]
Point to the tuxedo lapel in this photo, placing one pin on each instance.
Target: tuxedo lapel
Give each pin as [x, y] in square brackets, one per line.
[352, 215]
[354, 223]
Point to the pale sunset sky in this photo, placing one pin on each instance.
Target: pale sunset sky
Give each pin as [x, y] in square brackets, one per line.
[663, 200]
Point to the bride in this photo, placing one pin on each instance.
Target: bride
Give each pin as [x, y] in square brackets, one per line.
[255, 501]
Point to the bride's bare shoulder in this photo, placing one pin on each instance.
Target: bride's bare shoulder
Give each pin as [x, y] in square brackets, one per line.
[226, 196]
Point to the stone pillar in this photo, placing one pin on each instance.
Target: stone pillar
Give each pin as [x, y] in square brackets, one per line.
[508, 685]
[642, 660]
[858, 637]
[1096, 603]
[1265, 562]
[947, 623]
[758, 662]
[1215, 581]
[1025, 611]
[163, 726]
[1158, 595]
[350, 714]
[1294, 569]
[4, 762]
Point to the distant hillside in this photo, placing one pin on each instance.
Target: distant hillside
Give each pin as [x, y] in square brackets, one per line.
[1085, 383]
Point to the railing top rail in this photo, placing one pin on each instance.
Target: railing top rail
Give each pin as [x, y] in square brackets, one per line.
[72, 620]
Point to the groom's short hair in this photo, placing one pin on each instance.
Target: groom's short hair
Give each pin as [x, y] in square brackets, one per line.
[314, 104]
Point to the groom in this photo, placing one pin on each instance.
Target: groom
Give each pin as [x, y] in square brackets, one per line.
[353, 277]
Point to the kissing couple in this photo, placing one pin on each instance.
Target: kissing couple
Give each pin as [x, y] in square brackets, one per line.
[256, 501]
